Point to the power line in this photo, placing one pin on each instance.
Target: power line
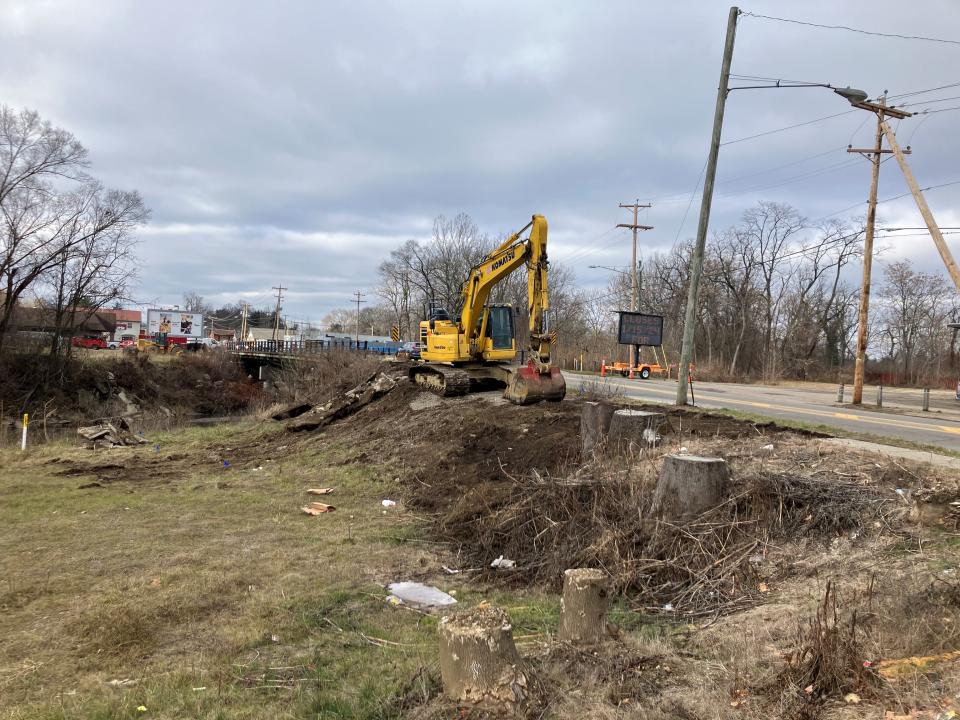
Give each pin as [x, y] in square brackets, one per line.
[922, 92]
[931, 187]
[930, 102]
[690, 202]
[795, 178]
[788, 127]
[852, 29]
[940, 110]
[895, 229]
[726, 181]
[591, 246]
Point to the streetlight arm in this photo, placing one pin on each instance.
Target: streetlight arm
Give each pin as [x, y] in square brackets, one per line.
[778, 86]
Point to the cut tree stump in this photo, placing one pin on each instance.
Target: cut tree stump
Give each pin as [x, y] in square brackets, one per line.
[689, 485]
[633, 430]
[479, 664]
[583, 609]
[594, 425]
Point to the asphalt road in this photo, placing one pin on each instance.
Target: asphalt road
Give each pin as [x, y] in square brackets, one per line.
[815, 405]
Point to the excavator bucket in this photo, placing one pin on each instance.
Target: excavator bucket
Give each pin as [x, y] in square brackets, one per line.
[528, 386]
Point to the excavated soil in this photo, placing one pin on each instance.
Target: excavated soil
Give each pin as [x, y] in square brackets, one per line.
[465, 451]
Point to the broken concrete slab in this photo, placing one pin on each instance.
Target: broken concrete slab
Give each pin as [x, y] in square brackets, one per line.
[347, 404]
[106, 434]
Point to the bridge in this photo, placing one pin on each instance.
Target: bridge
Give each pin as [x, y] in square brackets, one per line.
[279, 350]
[256, 355]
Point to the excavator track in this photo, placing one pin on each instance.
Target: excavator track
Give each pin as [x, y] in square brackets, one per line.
[442, 380]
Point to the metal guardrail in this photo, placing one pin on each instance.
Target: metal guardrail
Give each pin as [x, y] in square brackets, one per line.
[307, 347]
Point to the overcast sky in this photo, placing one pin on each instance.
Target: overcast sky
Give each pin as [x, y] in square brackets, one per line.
[298, 142]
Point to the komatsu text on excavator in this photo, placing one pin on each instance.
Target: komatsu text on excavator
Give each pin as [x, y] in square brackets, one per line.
[479, 345]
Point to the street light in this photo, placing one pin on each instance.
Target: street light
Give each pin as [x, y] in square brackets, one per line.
[628, 273]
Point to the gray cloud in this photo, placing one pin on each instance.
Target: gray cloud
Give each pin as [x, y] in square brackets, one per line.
[300, 141]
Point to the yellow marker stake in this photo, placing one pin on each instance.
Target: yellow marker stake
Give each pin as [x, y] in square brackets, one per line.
[23, 440]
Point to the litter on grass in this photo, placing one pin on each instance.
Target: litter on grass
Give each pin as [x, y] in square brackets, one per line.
[418, 595]
[320, 491]
[502, 563]
[316, 508]
[388, 503]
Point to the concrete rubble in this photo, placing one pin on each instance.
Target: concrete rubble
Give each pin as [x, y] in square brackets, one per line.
[344, 405]
[106, 434]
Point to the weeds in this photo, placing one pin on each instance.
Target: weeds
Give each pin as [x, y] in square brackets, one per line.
[324, 375]
[601, 516]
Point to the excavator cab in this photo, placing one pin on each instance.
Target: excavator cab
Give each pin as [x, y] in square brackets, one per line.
[499, 320]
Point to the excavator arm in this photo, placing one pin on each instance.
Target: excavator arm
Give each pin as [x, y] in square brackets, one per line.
[538, 380]
[495, 267]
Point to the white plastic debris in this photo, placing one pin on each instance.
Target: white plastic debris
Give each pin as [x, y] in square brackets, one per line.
[767, 449]
[683, 450]
[388, 503]
[502, 563]
[418, 595]
[668, 607]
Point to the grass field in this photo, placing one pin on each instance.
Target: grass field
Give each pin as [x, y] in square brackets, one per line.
[180, 579]
[206, 593]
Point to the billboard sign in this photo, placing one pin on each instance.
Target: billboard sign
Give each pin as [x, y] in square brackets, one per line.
[174, 322]
[640, 329]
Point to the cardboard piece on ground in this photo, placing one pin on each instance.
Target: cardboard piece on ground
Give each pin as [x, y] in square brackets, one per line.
[317, 508]
[319, 491]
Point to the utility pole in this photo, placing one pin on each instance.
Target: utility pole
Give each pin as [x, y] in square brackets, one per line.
[358, 295]
[276, 318]
[864, 308]
[696, 262]
[873, 154]
[244, 309]
[634, 286]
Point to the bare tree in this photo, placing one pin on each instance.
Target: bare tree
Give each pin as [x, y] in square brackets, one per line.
[51, 211]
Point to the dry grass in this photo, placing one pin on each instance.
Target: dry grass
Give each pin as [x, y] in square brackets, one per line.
[600, 515]
[324, 376]
[205, 592]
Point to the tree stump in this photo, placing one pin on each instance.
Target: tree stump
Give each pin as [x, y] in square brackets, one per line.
[689, 484]
[594, 425]
[632, 430]
[479, 664]
[583, 609]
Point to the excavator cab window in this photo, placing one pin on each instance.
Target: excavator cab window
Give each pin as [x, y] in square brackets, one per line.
[500, 327]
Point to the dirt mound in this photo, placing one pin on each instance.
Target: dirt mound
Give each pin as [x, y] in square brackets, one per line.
[461, 456]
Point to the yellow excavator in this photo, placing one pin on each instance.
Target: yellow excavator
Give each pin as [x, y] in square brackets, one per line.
[479, 346]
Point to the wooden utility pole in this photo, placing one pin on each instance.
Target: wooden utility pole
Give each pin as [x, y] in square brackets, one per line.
[928, 218]
[634, 287]
[244, 309]
[358, 295]
[864, 309]
[696, 262]
[880, 109]
[276, 318]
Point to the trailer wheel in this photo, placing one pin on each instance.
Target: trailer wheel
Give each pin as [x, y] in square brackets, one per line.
[645, 373]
